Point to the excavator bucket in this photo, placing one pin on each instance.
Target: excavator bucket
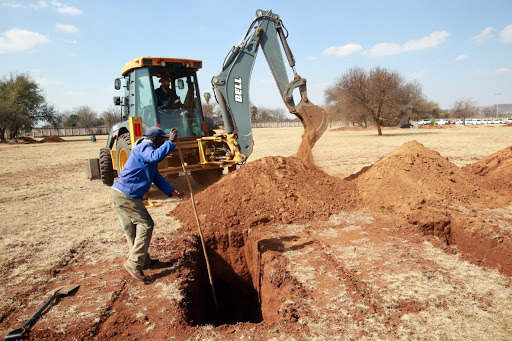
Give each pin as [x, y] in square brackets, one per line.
[314, 120]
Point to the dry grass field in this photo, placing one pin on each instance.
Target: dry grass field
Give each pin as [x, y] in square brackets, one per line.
[358, 275]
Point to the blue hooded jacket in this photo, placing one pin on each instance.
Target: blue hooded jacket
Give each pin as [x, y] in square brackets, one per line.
[141, 169]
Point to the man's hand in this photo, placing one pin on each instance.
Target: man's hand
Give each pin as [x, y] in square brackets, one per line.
[178, 194]
[173, 135]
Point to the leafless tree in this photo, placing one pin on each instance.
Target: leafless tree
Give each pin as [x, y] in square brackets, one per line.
[379, 96]
[334, 113]
[111, 116]
[86, 117]
[463, 108]
[340, 109]
[488, 112]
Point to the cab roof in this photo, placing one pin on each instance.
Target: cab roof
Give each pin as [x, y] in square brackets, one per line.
[161, 62]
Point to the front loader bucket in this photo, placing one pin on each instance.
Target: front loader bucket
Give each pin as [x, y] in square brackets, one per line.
[314, 120]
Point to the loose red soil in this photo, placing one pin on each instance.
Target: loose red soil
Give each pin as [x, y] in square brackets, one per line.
[496, 169]
[26, 139]
[52, 138]
[271, 190]
[345, 128]
[421, 192]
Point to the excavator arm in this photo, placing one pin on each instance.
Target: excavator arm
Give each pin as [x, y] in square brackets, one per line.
[231, 85]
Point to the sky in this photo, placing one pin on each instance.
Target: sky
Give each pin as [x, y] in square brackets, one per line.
[456, 49]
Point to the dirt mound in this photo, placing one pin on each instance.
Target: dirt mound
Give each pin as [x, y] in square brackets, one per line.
[413, 175]
[429, 126]
[437, 198]
[26, 139]
[53, 138]
[495, 168]
[268, 190]
[348, 128]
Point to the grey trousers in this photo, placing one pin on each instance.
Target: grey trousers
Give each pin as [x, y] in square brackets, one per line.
[137, 225]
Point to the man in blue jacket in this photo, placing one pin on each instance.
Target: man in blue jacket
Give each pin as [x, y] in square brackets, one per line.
[140, 170]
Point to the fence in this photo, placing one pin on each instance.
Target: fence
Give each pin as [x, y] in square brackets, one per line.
[276, 124]
[288, 124]
[42, 132]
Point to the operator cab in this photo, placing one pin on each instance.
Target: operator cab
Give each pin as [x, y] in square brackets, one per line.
[143, 77]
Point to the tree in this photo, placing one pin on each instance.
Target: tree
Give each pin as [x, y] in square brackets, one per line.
[111, 116]
[70, 121]
[419, 107]
[488, 112]
[6, 115]
[86, 117]
[463, 108]
[207, 97]
[254, 111]
[380, 96]
[24, 105]
[57, 120]
[208, 108]
[268, 114]
[334, 113]
[341, 109]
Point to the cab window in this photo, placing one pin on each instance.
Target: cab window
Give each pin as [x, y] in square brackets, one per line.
[187, 120]
[144, 97]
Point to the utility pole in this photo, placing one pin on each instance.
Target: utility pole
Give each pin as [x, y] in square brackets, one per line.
[497, 103]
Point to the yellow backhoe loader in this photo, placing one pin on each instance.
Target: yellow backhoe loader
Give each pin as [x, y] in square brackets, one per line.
[206, 153]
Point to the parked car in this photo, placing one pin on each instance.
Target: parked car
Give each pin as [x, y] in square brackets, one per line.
[476, 121]
[440, 122]
[424, 122]
[457, 121]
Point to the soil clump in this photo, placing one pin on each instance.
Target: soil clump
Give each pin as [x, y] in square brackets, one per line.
[426, 193]
[496, 169]
[268, 191]
[53, 138]
[414, 176]
[26, 139]
[422, 190]
[345, 128]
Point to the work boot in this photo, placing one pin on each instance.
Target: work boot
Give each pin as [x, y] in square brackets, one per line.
[137, 274]
[150, 263]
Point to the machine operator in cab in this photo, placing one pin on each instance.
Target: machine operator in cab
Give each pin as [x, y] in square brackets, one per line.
[166, 96]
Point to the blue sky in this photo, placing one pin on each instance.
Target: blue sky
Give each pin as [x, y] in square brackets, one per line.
[75, 49]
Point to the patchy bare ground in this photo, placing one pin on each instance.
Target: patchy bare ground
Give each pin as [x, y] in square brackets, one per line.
[404, 236]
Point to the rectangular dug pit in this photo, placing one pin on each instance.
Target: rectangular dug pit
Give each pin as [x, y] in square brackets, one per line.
[237, 298]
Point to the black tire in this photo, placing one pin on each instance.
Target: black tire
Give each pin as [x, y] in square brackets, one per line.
[123, 150]
[106, 167]
[207, 177]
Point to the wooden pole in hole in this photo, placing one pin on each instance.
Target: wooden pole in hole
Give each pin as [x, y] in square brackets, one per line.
[200, 231]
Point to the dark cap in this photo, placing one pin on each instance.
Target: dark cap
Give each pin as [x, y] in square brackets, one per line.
[164, 78]
[155, 131]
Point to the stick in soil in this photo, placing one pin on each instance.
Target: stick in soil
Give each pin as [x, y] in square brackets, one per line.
[200, 231]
